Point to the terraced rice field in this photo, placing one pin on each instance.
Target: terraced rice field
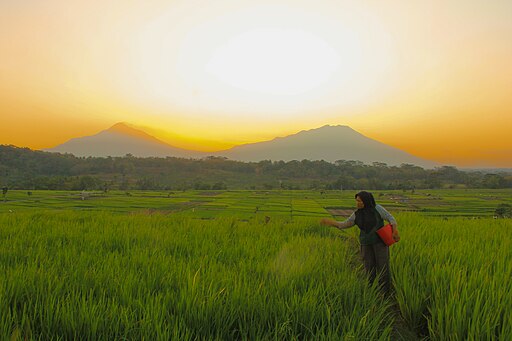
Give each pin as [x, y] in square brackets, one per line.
[247, 204]
[234, 265]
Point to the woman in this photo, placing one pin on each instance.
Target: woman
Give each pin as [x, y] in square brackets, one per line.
[369, 217]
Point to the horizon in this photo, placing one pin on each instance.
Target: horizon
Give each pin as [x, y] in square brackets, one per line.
[430, 79]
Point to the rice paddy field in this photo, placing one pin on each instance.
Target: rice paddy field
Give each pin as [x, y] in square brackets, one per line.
[249, 265]
[250, 204]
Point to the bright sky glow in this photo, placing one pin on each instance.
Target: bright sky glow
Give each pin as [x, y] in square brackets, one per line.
[256, 63]
[277, 62]
[432, 78]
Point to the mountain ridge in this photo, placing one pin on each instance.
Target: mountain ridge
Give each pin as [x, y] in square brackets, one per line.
[329, 143]
[120, 140]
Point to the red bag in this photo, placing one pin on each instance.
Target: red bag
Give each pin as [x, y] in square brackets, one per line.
[386, 234]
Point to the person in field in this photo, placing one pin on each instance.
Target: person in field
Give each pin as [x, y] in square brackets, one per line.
[369, 217]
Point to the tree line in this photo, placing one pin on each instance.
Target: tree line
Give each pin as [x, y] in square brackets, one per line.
[22, 168]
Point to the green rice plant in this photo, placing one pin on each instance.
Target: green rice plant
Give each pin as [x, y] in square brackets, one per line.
[95, 275]
[452, 277]
[212, 267]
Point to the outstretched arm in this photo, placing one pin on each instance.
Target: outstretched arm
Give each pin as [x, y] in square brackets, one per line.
[339, 224]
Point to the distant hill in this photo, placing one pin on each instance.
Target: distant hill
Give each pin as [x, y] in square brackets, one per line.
[329, 143]
[119, 140]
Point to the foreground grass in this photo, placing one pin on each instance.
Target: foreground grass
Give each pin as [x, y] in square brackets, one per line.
[94, 275]
[97, 275]
[452, 277]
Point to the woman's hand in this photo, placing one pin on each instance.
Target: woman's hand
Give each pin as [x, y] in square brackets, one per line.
[396, 236]
[329, 222]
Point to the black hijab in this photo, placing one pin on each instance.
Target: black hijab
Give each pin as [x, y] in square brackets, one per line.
[366, 217]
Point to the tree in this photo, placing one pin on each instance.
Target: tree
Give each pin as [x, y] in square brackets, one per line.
[503, 211]
[494, 181]
[88, 182]
[219, 186]
[23, 168]
[4, 192]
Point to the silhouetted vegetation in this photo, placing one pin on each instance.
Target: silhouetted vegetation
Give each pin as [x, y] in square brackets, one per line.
[22, 168]
[503, 211]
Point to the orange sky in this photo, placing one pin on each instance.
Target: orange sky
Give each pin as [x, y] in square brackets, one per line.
[433, 79]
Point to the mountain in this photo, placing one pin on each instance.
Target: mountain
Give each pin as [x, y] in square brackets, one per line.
[329, 143]
[119, 140]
